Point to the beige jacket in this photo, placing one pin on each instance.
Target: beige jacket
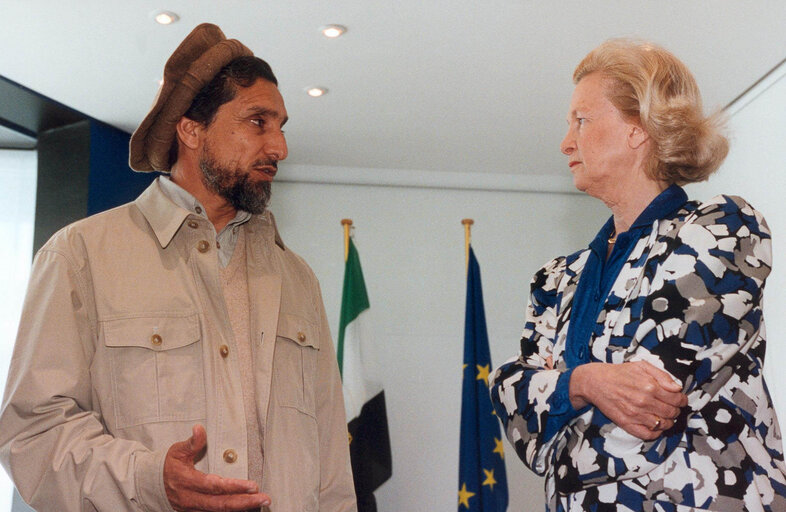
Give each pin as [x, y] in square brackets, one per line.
[125, 343]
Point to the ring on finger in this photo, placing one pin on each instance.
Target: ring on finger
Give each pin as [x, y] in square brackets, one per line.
[657, 424]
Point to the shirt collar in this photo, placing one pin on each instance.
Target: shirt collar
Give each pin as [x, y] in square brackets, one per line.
[184, 199]
[165, 215]
[661, 207]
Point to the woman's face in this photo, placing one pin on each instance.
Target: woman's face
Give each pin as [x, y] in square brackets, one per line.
[599, 140]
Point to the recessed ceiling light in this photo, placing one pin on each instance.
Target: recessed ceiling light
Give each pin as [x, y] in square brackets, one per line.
[333, 31]
[165, 17]
[316, 92]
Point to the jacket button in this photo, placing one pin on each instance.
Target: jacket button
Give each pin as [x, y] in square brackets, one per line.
[223, 350]
[301, 336]
[156, 339]
[198, 209]
[203, 246]
[193, 224]
[230, 456]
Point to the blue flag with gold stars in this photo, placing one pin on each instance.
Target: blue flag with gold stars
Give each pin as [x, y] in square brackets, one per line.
[483, 486]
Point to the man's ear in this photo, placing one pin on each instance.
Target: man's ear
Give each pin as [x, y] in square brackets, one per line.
[189, 132]
[637, 136]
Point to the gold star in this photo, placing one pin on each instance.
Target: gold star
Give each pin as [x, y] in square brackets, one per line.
[464, 496]
[489, 479]
[499, 449]
[464, 367]
[349, 437]
[483, 373]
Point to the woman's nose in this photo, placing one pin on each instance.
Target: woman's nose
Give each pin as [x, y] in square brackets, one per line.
[567, 146]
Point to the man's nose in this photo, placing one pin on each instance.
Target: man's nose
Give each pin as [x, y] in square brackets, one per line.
[276, 147]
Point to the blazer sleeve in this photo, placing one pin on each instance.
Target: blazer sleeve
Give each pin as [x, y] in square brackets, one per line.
[52, 441]
[530, 399]
[700, 311]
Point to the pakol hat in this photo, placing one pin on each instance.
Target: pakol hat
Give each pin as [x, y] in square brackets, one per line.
[193, 65]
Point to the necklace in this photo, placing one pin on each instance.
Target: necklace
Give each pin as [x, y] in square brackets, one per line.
[613, 237]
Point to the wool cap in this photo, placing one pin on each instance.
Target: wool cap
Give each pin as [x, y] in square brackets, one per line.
[193, 65]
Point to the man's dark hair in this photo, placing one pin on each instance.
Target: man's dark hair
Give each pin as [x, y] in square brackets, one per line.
[241, 72]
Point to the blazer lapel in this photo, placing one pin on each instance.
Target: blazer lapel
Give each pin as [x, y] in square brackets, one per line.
[617, 311]
[567, 290]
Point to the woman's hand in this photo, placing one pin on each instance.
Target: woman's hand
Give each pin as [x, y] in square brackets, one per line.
[639, 398]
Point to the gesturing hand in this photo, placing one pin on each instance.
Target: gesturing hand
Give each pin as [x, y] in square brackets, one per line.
[190, 490]
[641, 399]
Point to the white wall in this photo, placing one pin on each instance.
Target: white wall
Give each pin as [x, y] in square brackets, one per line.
[754, 170]
[411, 245]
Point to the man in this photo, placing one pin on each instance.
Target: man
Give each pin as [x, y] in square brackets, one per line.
[172, 352]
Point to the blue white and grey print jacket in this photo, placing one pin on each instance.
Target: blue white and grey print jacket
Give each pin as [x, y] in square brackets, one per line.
[688, 300]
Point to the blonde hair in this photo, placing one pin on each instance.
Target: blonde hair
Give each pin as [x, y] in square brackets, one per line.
[647, 83]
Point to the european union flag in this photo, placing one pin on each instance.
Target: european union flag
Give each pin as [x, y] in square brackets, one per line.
[483, 486]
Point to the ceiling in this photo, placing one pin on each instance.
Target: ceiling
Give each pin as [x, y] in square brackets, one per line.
[460, 86]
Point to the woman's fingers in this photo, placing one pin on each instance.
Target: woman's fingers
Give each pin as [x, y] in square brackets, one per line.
[638, 397]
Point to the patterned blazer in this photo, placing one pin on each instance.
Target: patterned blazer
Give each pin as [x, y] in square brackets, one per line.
[688, 300]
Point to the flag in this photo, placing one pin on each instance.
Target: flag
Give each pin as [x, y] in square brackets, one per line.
[482, 482]
[369, 442]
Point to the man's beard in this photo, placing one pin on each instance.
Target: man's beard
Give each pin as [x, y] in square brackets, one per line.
[234, 185]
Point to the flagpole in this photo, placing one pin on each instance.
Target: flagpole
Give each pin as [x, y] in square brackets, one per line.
[347, 223]
[467, 238]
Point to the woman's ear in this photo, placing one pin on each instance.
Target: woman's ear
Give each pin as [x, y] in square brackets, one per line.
[637, 136]
[189, 132]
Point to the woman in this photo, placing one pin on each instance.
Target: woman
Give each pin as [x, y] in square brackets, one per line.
[639, 385]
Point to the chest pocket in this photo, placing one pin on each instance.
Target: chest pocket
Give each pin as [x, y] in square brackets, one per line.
[295, 363]
[156, 369]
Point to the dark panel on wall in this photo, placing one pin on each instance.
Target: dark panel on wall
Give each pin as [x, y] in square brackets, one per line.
[112, 182]
[63, 174]
[31, 113]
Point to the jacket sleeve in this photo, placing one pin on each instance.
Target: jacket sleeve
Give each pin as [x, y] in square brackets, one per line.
[52, 440]
[701, 315]
[530, 399]
[336, 488]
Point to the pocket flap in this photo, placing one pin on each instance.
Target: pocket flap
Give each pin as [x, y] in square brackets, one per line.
[157, 333]
[298, 329]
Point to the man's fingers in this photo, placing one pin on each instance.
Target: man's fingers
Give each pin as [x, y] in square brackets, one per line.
[221, 503]
[190, 489]
[188, 449]
[204, 483]
[198, 439]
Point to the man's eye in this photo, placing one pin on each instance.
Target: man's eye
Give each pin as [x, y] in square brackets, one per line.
[580, 120]
[258, 122]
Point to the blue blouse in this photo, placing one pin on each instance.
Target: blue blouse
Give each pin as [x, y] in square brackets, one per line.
[596, 281]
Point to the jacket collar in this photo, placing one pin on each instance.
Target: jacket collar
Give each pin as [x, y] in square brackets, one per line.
[165, 217]
[663, 206]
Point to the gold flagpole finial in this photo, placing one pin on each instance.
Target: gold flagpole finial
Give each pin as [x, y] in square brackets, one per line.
[467, 238]
[347, 223]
